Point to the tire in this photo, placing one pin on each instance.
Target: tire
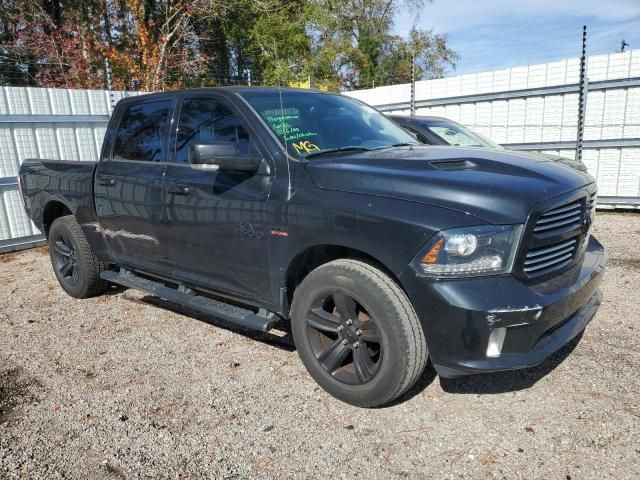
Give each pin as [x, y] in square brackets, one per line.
[76, 267]
[391, 353]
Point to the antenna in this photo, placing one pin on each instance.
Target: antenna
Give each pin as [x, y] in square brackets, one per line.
[413, 84]
[284, 125]
[582, 95]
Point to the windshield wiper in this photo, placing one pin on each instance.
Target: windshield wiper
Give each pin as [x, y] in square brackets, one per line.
[350, 148]
[394, 145]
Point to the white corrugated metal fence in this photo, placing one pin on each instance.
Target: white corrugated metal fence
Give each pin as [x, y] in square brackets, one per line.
[45, 123]
[532, 107]
[536, 108]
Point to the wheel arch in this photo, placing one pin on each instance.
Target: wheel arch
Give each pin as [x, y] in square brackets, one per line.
[55, 207]
[314, 256]
[53, 210]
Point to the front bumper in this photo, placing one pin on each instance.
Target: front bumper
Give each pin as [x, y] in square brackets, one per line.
[499, 323]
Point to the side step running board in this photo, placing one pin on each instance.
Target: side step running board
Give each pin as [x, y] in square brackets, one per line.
[263, 320]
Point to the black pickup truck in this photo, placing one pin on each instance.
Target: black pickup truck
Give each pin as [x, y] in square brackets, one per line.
[266, 206]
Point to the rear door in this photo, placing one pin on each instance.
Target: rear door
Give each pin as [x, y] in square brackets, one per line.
[217, 220]
[129, 184]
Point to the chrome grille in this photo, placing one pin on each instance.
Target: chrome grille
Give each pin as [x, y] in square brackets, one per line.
[549, 257]
[562, 218]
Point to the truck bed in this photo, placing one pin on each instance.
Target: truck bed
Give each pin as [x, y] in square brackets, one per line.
[68, 182]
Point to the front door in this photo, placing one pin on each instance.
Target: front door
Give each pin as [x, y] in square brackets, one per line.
[129, 185]
[217, 220]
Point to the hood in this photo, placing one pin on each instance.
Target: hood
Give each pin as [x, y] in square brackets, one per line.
[500, 187]
[575, 164]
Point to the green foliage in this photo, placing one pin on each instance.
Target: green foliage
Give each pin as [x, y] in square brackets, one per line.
[160, 44]
[280, 45]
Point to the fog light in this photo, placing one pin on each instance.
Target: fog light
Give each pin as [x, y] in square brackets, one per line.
[496, 339]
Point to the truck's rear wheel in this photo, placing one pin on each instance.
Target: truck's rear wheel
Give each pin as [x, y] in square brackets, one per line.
[75, 265]
[357, 333]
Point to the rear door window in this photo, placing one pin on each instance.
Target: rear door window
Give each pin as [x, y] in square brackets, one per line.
[142, 130]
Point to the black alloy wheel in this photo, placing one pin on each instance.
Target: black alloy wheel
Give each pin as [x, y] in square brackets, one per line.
[65, 260]
[76, 267]
[344, 338]
[357, 333]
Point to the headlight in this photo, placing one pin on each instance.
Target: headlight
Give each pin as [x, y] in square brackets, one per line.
[469, 252]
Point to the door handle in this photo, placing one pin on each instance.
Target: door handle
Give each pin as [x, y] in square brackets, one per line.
[176, 189]
[106, 182]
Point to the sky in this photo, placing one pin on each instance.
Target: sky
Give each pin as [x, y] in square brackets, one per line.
[494, 34]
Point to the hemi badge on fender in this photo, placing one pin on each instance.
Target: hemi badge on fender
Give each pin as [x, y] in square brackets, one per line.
[279, 232]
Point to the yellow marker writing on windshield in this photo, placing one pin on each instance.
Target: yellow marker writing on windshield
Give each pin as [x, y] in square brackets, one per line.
[305, 146]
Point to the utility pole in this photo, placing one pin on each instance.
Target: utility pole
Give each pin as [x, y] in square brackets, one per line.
[413, 84]
[582, 95]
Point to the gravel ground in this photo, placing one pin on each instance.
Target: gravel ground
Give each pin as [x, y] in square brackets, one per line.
[126, 386]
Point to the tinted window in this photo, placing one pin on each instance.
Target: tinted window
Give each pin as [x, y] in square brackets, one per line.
[141, 133]
[207, 121]
[309, 122]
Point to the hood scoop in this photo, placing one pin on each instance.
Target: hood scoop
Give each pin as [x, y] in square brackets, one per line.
[463, 164]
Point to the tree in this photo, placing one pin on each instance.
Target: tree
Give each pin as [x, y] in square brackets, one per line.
[371, 54]
[40, 47]
[429, 51]
[165, 44]
[162, 49]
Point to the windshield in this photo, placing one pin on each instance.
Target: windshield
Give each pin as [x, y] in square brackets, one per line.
[310, 123]
[455, 134]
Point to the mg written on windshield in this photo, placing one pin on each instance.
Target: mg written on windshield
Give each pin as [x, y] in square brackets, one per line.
[310, 123]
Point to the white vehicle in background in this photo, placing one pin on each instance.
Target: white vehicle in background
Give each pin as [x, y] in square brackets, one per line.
[442, 131]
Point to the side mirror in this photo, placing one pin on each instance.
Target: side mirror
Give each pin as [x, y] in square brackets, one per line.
[225, 157]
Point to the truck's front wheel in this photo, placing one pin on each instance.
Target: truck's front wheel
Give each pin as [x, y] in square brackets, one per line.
[357, 333]
[75, 265]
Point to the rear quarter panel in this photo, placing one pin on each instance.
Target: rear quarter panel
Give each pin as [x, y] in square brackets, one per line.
[67, 182]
